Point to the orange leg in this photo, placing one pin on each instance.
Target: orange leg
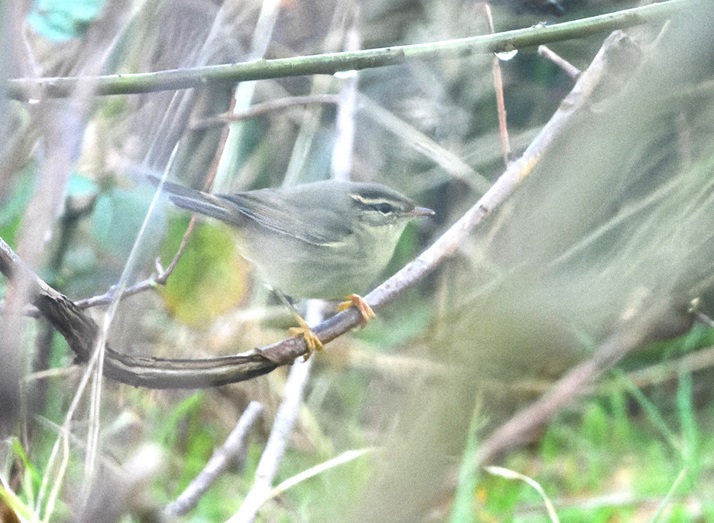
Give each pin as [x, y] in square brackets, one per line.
[312, 342]
[353, 300]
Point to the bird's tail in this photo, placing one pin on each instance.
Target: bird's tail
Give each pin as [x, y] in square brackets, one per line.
[199, 202]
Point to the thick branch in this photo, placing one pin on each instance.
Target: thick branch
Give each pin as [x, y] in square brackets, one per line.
[80, 331]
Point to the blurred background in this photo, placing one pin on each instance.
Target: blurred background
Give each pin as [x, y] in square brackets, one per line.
[617, 216]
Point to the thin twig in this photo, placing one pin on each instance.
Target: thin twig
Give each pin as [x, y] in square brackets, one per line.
[162, 274]
[242, 98]
[341, 162]
[498, 88]
[662, 320]
[221, 459]
[330, 63]
[569, 69]
[285, 419]
[260, 109]
[452, 163]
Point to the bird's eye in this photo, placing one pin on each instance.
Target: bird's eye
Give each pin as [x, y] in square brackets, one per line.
[383, 208]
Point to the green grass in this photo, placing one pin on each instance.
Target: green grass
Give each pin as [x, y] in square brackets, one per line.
[620, 456]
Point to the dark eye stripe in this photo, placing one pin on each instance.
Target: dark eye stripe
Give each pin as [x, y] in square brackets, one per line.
[374, 204]
[383, 207]
[386, 205]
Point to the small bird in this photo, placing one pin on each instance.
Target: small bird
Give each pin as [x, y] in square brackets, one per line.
[326, 240]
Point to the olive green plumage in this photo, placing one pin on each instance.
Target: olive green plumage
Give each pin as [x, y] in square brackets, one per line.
[318, 240]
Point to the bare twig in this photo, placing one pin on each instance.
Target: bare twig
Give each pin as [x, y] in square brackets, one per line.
[159, 278]
[447, 160]
[572, 71]
[343, 149]
[162, 274]
[265, 107]
[331, 63]
[285, 419]
[661, 321]
[221, 459]
[498, 88]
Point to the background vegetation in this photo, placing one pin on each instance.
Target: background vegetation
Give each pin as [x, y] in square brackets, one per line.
[557, 365]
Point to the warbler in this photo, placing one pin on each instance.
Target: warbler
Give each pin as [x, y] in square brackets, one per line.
[327, 239]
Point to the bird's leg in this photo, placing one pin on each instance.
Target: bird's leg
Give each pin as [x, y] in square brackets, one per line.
[356, 301]
[312, 342]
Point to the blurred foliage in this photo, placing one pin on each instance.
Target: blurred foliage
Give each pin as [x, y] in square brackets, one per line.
[62, 20]
[618, 214]
[116, 219]
[210, 279]
[19, 193]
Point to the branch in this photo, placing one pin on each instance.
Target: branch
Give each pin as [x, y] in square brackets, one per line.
[81, 331]
[222, 458]
[661, 321]
[272, 456]
[330, 63]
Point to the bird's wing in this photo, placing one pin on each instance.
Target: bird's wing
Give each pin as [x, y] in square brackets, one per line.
[268, 208]
[271, 210]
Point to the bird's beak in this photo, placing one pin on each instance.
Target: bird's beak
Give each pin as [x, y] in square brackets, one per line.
[421, 211]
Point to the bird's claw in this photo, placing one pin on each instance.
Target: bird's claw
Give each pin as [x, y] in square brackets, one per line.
[356, 301]
[312, 342]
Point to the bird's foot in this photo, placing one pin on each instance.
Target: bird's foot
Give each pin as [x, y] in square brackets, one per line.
[356, 301]
[312, 342]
